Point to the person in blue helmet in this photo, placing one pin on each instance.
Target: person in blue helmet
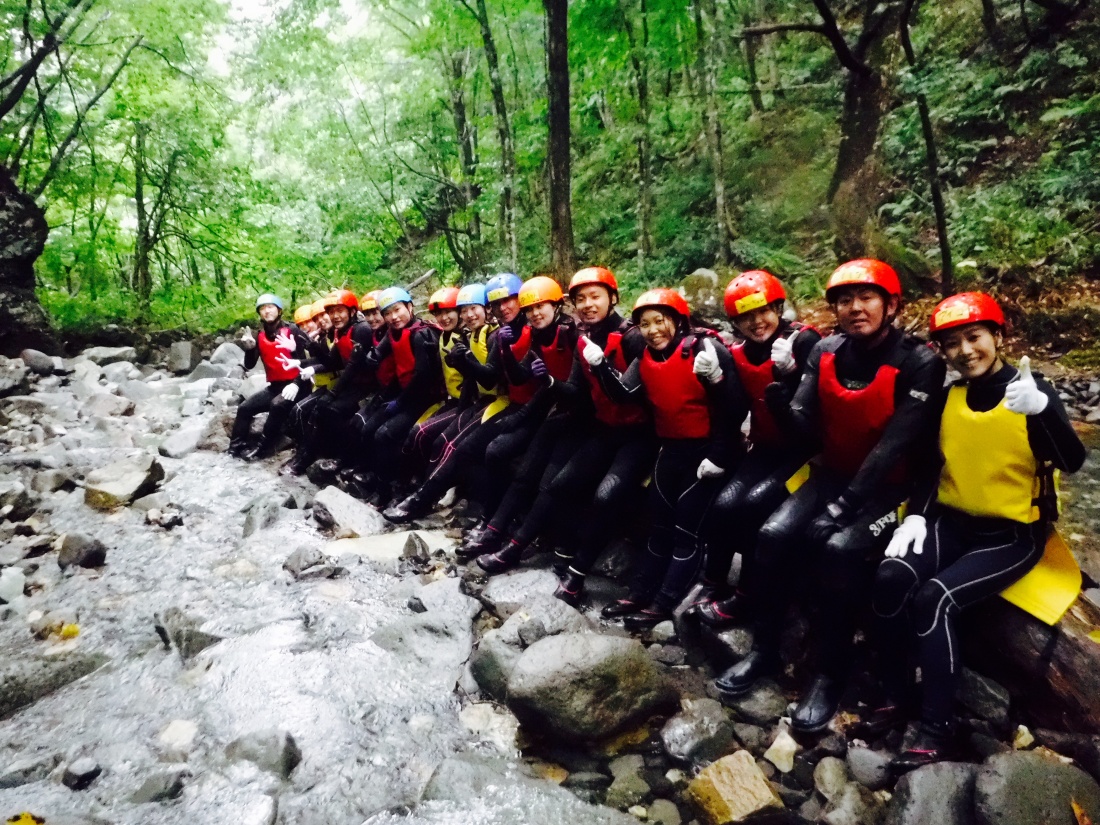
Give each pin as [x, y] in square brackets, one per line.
[275, 346]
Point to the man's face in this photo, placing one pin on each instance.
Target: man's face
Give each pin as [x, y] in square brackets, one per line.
[861, 310]
[506, 309]
[269, 313]
[592, 302]
[340, 316]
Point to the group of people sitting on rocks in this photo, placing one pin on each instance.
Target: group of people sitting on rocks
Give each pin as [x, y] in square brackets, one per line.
[863, 478]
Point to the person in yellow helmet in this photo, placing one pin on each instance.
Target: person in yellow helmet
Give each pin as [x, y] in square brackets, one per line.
[979, 516]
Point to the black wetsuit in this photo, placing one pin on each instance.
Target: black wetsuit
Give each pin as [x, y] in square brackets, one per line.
[269, 399]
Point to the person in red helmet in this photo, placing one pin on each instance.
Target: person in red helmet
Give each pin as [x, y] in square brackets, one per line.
[978, 518]
[698, 406]
[771, 349]
[867, 399]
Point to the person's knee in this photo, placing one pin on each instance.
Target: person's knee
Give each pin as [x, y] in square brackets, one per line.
[894, 583]
[611, 492]
[930, 604]
[730, 500]
[763, 498]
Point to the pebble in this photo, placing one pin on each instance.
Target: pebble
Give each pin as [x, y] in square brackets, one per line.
[830, 777]
[869, 768]
[81, 773]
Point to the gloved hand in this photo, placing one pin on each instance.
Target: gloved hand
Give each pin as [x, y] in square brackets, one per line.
[539, 371]
[708, 469]
[1022, 395]
[591, 352]
[289, 363]
[505, 335]
[392, 407]
[783, 355]
[910, 535]
[456, 355]
[246, 342]
[838, 515]
[777, 397]
[307, 372]
[286, 342]
[290, 391]
[706, 366]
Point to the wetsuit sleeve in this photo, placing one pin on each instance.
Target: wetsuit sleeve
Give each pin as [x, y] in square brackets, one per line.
[487, 374]
[916, 401]
[514, 371]
[318, 352]
[1050, 434]
[927, 466]
[799, 419]
[252, 356]
[633, 345]
[730, 405]
[426, 374]
[622, 388]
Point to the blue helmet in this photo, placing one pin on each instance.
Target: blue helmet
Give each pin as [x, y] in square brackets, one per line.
[503, 285]
[268, 298]
[472, 294]
[391, 296]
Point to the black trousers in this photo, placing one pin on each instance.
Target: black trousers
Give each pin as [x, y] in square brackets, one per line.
[268, 400]
[420, 445]
[329, 431]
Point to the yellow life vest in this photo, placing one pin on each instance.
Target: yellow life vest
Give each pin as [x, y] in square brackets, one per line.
[989, 468]
[479, 346]
[452, 378]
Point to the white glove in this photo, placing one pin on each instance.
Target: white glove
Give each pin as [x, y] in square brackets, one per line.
[783, 355]
[591, 352]
[909, 535]
[1021, 395]
[706, 364]
[708, 469]
[285, 341]
[246, 341]
[306, 372]
[290, 392]
[289, 363]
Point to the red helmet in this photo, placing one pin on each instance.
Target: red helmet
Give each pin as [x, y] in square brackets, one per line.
[664, 298]
[445, 298]
[593, 275]
[752, 290]
[345, 297]
[864, 271]
[965, 308]
[539, 290]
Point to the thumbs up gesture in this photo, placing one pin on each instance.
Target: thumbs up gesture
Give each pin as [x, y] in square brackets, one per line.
[783, 355]
[706, 366]
[591, 352]
[1022, 395]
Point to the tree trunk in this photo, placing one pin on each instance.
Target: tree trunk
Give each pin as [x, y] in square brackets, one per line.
[142, 279]
[639, 61]
[23, 231]
[557, 86]
[751, 47]
[713, 127]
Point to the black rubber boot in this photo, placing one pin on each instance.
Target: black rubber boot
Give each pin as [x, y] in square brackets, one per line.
[646, 619]
[408, 510]
[571, 588]
[935, 742]
[819, 705]
[740, 678]
[297, 465]
[561, 566]
[238, 447]
[722, 613]
[503, 560]
[481, 543]
[265, 449]
[623, 607]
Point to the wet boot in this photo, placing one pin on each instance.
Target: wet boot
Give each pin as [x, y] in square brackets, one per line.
[722, 613]
[741, 677]
[571, 588]
[238, 447]
[561, 563]
[265, 449]
[934, 742]
[408, 510]
[623, 607]
[481, 542]
[646, 619]
[819, 705]
[503, 560]
[297, 465]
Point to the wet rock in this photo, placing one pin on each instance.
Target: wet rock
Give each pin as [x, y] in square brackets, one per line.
[273, 750]
[830, 777]
[105, 405]
[24, 680]
[1026, 788]
[587, 781]
[307, 563]
[332, 507]
[663, 633]
[13, 376]
[153, 501]
[429, 641]
[730, 790]
[942, 793]
[228, 354]
[80, 550]
[753, 737]
[205, 369]
[579, 686]
[177, 740]
[109, 355]
[983, 697]
[252, 385]
[493, 724]
[183, 356]
[415, 547]
[121, 371]
[137, 391]
[782, 751]
[50, 481]
[184, 440]
[762, 705]
[445, 596]
[37, 362]
[161, 787]
[81, 773]
[628, 788]
[493, 662]
[663, 812]
[262, 512]
[29, 769]
[16, 502]
[1083, 749]
[869, 768]
[123, 481]
[700, 732]
[182, 632]
[854, 805]
[511, 592]
[12, 582]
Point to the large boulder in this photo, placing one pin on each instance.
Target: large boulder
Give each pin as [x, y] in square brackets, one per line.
[1028, 788]
[513, 591]
[123, 481]
[942, 793]
[431, 642]
[580, 686]
[228, 354]
[13, 376]
[183, 356]
[184, 440]
[24, 680]
[700, 732]
[272, 750]
[105, 405]
[121, 371]
[79, 550]
[110, 355]
[37, 362]
[207, 370]
[332, 507]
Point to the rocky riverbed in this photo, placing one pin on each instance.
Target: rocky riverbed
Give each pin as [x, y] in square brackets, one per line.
[189, 638]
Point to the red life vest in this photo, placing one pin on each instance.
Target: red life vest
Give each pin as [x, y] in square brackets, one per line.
[521, 393]
[607, 411]
[272, 357]
[344, 344]
[680, 408]
[853, 421]
[387, 369]
[763, 428]
[558, 356]
[404, 359]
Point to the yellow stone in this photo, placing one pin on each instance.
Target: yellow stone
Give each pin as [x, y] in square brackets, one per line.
[625, 740]
[731, 789]
[70, 631]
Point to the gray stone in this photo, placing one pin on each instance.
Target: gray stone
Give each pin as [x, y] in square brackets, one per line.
[28, 405]
[1082, 748]
[49, 481]
[493, 662]
[308, 563]
[207, 370]
[938, 794]
[764, 704]
[869, 768]
[262, 512]
[1027, 788]
[983, 697]
[121, 371]
[81, 773]
[178, 630]
[29, 769]
[120, 483]
[332, 507]
[701, 732]
[80, 550]
[183, 441]
[227, 353]
[628, 788]
[830, 777]
[183, 356]
[273, 750]
[754, 738]
[445, 596]
[854, 805]
[16, 502]
[513, 591]
[587, 780]
[37, 362]
[579, 686]
[137, 391]
[415, 547]
[431, 642]
[252, 385]
[667, 654]
[663, 812]
[13, 376]
[153, 501]
[663, 633]
[109, 355]
[161, 787]
[105, 405]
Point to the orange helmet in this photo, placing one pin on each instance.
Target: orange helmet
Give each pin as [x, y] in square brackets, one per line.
[317, 308]
[370, 300]
[303, 314]
[965, 308]
[864, 271]
[445, 298]
[664, 298]
[593, 275]
[539, 289]
[752, 290]
[328, 301]
[345, 297]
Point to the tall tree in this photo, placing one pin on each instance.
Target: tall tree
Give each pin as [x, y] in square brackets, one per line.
[559, 169]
